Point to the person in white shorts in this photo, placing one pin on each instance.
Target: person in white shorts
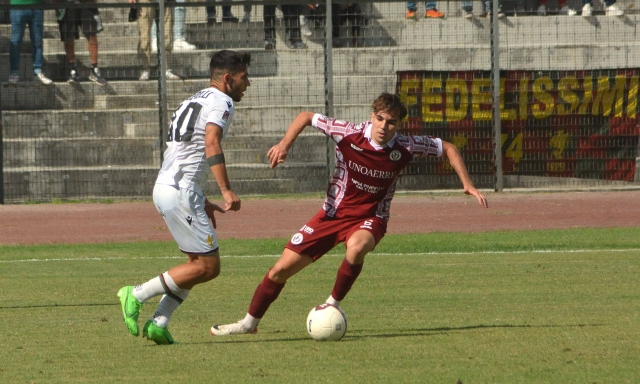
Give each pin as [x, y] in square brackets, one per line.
[193, 150]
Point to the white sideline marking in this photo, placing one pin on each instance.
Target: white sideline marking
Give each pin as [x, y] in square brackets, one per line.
[331, 255]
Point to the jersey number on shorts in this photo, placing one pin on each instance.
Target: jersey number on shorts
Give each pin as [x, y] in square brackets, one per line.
[179, 122]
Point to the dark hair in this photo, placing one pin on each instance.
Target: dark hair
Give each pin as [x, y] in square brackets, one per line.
[391, 104]
[228, 62]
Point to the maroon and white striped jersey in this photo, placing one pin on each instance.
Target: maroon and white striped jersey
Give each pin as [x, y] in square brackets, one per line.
[365, 176]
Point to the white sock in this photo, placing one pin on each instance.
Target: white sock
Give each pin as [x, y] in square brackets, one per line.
[333, 301]
[151, 288]
[154, 287]
[250, 322]
[169, 302]
[167, 306]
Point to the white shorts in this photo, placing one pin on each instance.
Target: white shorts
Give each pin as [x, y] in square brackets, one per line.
[183, 211]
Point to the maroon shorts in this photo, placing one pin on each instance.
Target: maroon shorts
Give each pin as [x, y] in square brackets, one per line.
[322, 233]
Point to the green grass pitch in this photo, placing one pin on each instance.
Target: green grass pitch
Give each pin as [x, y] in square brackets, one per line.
[496, 307]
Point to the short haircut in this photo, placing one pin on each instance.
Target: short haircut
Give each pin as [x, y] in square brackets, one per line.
[228, 62]
[391, 104]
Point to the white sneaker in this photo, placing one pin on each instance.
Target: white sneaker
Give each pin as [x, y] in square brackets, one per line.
[144, 75]
[154, 45]
[306, 28]
[467, 14]
[542, 10]
[231, 329]
[43, 79]
[566, 11]
[613, 10]
[171, 76]
[182, 45]
[586, 10]
[246, 18]
[14, 78]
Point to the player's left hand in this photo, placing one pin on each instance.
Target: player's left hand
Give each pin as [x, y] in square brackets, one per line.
[474, 192]
[209, 209]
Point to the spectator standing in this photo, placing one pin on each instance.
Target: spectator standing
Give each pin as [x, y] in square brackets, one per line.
[20, 18]
[145, 21]
[563, 8]
[180, 44]
[291, 15]
[430, 10]
[467, 9]
[611, 9]
[87, 19]
[227, 16]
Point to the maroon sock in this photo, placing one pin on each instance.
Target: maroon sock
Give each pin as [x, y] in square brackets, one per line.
[347, 275]
[266, 293]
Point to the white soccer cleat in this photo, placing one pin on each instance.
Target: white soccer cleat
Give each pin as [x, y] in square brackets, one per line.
[231, 329]
[613, 10]
[586, 10]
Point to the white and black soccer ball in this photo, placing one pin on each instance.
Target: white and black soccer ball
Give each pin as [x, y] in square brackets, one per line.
[326, 322]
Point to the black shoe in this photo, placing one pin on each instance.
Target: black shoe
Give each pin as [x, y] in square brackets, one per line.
[269, 44]
[211, 20]
[73, 76]
[229, 19]
[296, 44]
[96, 78]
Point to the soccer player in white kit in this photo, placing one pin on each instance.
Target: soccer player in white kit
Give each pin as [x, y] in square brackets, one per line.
[194, 149]
[369, 158]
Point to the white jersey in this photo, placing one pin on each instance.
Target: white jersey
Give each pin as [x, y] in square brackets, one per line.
[185, 164]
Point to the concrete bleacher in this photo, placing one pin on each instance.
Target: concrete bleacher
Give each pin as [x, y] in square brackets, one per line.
[85, 140]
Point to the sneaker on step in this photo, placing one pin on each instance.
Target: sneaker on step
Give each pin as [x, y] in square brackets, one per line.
[467, 13]
[566, 11]
[433, 14]
[613, 10]
[130, 309]
[42, 78]
[182, 45]
[171, 76]
[296, 44]
[96, 77]
[269, 44]
[587, 10]
[231, 329]
[229, 19]
[14, 78]
[411, 15]
[144, 75]
[73, 76]
[159, 335]
[542, 10]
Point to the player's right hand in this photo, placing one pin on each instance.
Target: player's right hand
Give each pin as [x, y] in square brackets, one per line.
[231, 201]
[277, 154]
[209, 209]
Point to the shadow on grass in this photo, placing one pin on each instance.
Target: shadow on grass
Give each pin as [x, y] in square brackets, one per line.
[59, 305]
[371, 334]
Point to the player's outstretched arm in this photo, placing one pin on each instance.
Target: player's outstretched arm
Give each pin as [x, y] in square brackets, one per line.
[450, 152]
[278, 153]
[215, 158]
[210, 209]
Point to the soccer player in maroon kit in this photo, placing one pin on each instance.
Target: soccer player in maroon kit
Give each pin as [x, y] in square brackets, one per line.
[369, 157]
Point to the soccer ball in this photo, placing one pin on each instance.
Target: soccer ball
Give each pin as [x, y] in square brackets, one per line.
[326, 322]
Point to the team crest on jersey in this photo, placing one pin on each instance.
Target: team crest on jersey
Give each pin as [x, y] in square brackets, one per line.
[395, 155]
[297, 239]
[225, 116]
